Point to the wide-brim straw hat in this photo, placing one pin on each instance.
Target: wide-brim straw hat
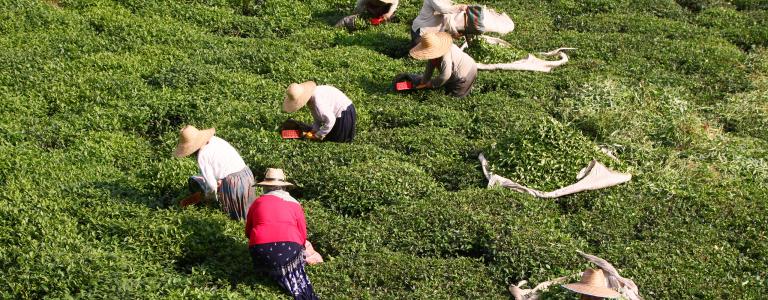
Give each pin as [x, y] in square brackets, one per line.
[297, 95]
[274, 177]
[432, 45]
[191, 139]
[593, 283]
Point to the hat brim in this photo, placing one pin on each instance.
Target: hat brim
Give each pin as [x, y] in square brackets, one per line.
[602, 292]
[443, 44]
[274, 183]
[293, 104]
[198, 142]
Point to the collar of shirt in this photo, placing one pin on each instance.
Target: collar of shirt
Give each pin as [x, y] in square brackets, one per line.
[283, 195]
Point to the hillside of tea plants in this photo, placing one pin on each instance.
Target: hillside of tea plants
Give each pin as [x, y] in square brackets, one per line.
[94, 92]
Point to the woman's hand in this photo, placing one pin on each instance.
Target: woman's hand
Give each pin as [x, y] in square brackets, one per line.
[311, 256]
[311, 136]
[425, 85]
[462, 7]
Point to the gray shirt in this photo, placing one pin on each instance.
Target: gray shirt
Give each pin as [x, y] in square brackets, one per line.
[455, 65]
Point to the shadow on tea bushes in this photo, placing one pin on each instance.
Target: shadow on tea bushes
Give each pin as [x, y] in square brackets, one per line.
[402, 113]
[363, 187]
[438, 227]
[445, 154]
[408, 276]
[746, 114]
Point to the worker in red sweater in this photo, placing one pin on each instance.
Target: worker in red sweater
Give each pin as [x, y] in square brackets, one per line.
[277, 232]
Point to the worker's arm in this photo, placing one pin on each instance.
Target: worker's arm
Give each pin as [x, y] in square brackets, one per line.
[301, 223]
[425, 80]
[248, 226]
[446, 70]
[391, 10]
[211, 182]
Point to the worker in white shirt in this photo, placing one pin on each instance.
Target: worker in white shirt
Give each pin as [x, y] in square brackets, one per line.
[333, 113]
[223, 173]
[430, 18]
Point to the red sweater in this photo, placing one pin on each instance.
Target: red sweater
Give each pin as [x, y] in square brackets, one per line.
[272, 219]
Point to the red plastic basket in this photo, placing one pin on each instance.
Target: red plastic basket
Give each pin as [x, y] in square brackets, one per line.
[291, 134]
[403, 85]
[376, 21]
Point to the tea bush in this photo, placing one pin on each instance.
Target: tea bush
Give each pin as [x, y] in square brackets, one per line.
[544, 154]
[746, 113]
[362, 275]
[744, 30]
[94, 92]
[363, 187]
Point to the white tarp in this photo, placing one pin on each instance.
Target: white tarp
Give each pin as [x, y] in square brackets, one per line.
[594, 176]
[531, 63]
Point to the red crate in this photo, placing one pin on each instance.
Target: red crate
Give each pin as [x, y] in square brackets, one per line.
[376, 21]
[403, 85]
[291, 134]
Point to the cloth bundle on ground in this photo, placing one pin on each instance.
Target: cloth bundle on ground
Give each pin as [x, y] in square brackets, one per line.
[531, 63]
[626, 287]
[594, 176]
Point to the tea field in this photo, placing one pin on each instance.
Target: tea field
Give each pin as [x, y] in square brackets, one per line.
[94, 93]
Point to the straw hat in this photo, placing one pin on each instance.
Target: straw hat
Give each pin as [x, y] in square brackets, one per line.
[432, 45]
[191, 139]
[274, 177]
[297, 95]
[593, 283]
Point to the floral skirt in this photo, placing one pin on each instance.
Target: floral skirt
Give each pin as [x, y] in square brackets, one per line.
[236, 192]
[284, 262]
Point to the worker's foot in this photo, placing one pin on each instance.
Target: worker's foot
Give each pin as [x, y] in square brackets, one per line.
[347, 22]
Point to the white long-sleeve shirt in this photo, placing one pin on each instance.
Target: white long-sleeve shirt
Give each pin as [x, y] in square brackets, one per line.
[217, 160]
[430, 17]
[327, 104]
